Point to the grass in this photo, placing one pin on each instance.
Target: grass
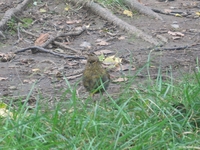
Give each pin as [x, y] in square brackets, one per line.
[139, 118]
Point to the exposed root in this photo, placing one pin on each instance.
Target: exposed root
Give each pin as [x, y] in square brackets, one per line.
[106, 14]
[134, 4]
[41, 49]
[11, 12]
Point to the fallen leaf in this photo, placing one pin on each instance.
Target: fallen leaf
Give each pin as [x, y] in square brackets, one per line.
[73, 21]
[167, 10]
[198, 13]
[121, 38]
[120, 80]
[176, 33]
[12, 88]
[5, 57]
[178, 15]
[128, 13]
[36, 70]
[176, 37]
[102, 43]
[43, 10]
[41, 39]
[67, 7]
[3, 79]
[29, 81]
[112, 60]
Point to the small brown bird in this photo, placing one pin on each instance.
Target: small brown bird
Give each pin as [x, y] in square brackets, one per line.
[95, 77]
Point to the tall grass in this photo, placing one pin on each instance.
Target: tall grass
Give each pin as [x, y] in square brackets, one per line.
[156, 114]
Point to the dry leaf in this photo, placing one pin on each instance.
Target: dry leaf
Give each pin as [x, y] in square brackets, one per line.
[102, 43]
[43, 10]
[3, 79]
[29, 81]
[167, 10]
[36, 70]
[12, 87]
[120, 80]
[176, 37]
[121, 38]
[176, 33]
[5, 57]
[42, 39]
[198, 13]
[73, 21]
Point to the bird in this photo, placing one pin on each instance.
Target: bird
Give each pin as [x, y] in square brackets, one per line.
[95, 78]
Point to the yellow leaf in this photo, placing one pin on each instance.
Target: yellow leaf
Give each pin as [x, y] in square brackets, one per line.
[120, 80]
[2, 105]
[113, 60]
[36, 70]
[178, 15]
[67, 7]
[128, 13]
[198, 13]
[42, 10]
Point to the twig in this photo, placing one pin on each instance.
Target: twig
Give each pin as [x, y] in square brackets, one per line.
[164, 48]
[41, 49]
[74, 76]
[66, 47]
[175, 48]
[29, 33]
[76, 33]
[172, 13]
[35, 49]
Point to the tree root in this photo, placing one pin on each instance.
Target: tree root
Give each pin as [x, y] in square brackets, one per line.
[11, 12]
[134, 4]
[106, 14]
[41, 49]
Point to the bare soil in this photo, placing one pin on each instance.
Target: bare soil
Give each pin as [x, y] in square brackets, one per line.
[19, 74]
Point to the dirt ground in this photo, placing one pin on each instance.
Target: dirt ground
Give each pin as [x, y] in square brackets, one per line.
[18, 75]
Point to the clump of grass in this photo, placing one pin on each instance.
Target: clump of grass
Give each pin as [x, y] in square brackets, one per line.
[141, 117]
